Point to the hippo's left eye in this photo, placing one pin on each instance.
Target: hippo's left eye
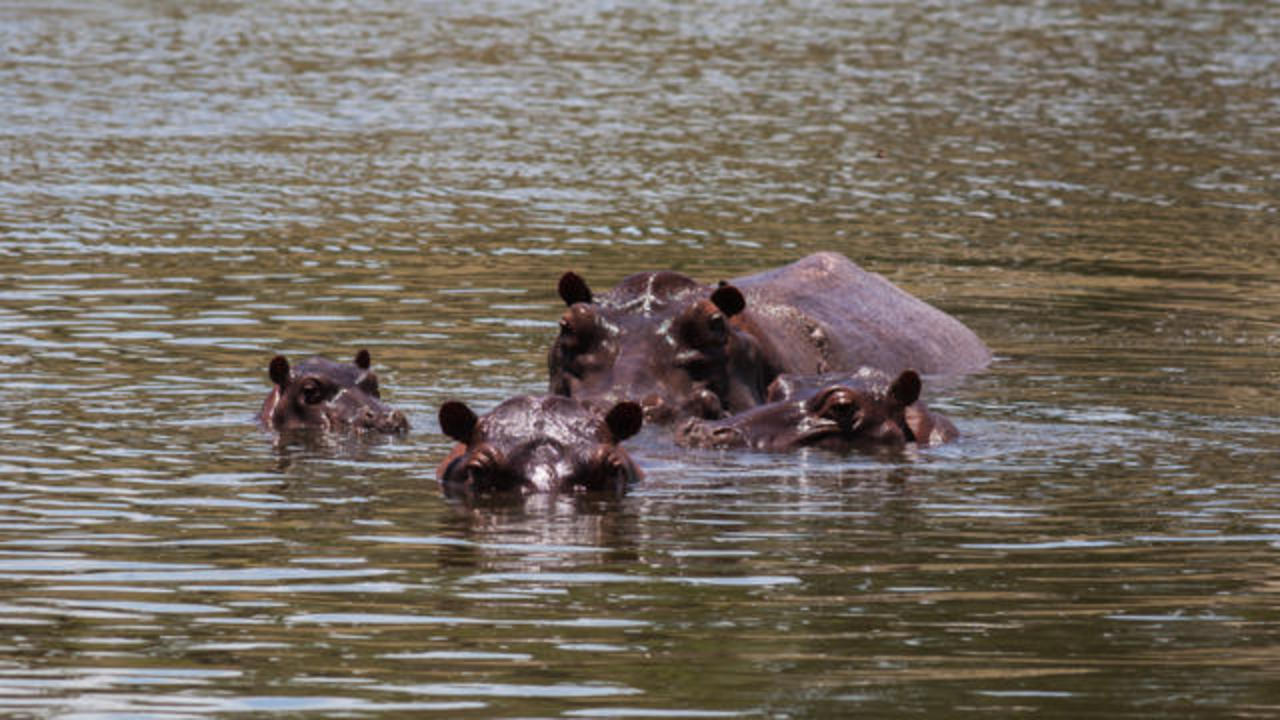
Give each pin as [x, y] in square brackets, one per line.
[615, 466]
[716, 326]
[313, 393]
[369, 385]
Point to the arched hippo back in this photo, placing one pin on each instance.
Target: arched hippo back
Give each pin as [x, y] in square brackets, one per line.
[824, 313]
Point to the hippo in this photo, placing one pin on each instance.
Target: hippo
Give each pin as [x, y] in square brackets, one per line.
[684, 349]
[539, 444]
[923, 426]
[863, 411]
[328, 396]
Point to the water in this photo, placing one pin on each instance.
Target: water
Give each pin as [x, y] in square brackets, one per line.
[187, 189]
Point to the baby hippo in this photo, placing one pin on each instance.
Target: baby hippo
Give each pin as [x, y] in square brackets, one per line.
[859, 411]
[328, 396]
[539, 444]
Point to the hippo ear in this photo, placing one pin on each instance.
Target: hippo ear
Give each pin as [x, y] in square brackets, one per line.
[624, 420]
[573, 289]
[457, 421]
[363, 361]
[278, 371]
[906, 389]
[729, 299]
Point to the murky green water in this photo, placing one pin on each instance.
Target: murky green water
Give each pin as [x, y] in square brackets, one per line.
[187, 189]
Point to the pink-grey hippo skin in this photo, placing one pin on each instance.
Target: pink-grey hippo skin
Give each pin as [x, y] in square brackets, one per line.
[326, 396]
[539, 444]
[685, 349]
[862, 412]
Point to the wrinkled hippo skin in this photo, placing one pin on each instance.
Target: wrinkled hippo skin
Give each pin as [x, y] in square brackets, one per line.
[864, 411]
[327, 396]
[531, 444]
[685, 349]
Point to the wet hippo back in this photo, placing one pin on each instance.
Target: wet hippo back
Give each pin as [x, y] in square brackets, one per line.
[825, 313]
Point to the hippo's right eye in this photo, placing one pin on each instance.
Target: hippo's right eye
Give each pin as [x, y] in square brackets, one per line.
[313, 393]
[696, 364]
[369, 385]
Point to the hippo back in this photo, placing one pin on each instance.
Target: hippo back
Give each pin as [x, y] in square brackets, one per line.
[825, 313]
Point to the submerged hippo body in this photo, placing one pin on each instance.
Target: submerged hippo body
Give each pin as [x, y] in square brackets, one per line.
[531, 444]
[686, 349]
[320, 394]
[863, 411]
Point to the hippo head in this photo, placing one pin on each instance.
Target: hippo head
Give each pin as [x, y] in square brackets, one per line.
[842, 416]
[328, 396]
[661, 339]
[539, 444]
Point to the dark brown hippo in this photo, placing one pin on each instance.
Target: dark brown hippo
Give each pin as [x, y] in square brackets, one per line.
[533, 444]
[923, 425]
[328, 396]
[686, 349]
[862, 411]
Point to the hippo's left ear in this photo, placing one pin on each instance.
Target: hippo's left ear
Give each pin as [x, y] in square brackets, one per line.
[278, 371]
[729, 299]
[457, 421]
[906, 389]
[363, 361]
[573, 289]
[624, 420]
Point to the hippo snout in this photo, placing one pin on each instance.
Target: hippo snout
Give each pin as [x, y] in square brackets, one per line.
[393, 422]
[382, 420]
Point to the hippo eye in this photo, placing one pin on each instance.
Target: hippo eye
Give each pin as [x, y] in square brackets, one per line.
[698, 369]
[697, 365]
[369, 385]
[614, 467]
[313, 392]
[716, 325]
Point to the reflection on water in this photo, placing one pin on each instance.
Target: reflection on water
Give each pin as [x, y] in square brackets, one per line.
[188, 189]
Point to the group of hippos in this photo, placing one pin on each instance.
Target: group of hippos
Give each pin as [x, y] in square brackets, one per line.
[816, 353]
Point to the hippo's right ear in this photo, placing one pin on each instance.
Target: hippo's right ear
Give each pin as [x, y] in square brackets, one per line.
[573, 289]
[624, 420]
[906, 388]
[729, 300]
[363, 360]
[278, 370]
[457, 421]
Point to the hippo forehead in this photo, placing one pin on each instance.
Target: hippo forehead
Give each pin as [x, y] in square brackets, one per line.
[867, 381]
[528, 422]
[651, 293]
[344, 374]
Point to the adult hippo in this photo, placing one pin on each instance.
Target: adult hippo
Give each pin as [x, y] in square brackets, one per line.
[533, 444]
[325, 395]
[863, 411]
[686, 349]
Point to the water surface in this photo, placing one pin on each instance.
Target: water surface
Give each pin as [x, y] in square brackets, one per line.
[187, 189]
